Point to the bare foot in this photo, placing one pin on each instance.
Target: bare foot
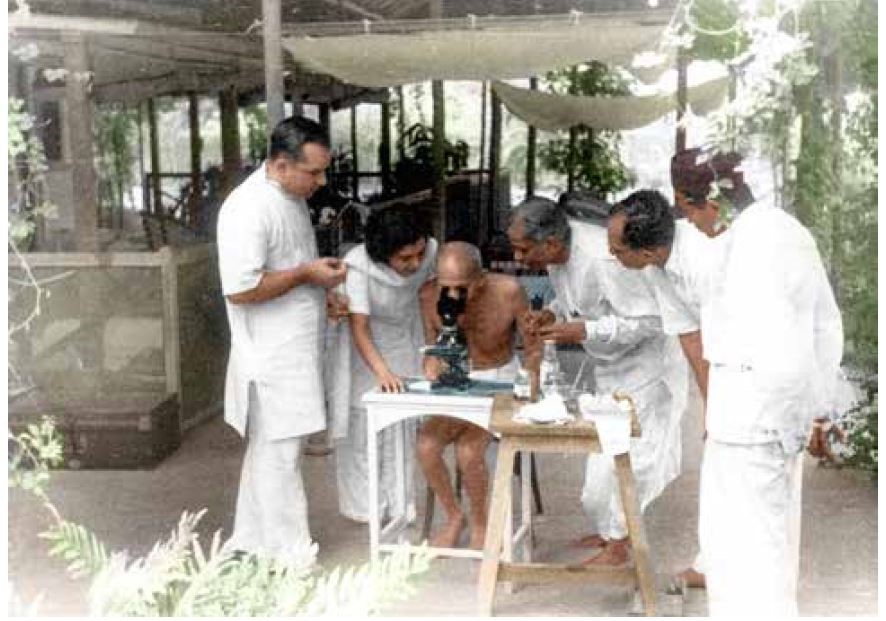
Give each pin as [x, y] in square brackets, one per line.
[448, 534]
[692, 578]
[613, 555]
[590, 541]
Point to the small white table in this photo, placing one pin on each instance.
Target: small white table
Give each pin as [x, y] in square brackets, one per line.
[385, 409]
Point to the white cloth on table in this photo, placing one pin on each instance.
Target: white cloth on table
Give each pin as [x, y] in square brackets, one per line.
[275, 345]
[634, 356]
[271, 518]
[391, 303]
[273, 383]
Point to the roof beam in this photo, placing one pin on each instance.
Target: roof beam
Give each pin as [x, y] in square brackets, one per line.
[353, 7]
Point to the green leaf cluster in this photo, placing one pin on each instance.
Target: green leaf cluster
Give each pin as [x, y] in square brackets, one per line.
[590, 157]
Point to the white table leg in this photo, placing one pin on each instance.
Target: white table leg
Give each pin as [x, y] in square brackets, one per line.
[372, 458]
[400, 461]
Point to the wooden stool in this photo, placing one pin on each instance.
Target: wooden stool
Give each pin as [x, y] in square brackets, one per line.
[576, 437]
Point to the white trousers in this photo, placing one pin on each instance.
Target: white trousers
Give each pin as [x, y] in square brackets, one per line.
[749, 528]
[271, 519]
[655, 462]
[352, 467]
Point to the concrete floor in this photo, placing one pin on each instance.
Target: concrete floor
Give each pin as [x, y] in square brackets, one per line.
[132, 509]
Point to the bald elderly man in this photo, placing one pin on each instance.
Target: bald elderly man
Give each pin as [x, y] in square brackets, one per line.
[493, 305]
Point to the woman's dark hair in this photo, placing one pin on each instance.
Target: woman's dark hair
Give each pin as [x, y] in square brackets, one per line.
[649, 222]
[693, 172]
[290, 135]
[391, 228]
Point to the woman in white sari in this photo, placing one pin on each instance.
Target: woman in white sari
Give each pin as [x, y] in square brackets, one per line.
[384, 276]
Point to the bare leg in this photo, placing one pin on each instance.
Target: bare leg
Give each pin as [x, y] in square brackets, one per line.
[615, 553]
[433, 436]
[470, 450]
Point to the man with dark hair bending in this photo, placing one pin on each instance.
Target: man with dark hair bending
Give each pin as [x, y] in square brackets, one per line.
[493, 304]
[274, 286]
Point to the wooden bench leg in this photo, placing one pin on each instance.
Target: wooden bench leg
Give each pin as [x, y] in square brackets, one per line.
[495, 527]
[636, 531]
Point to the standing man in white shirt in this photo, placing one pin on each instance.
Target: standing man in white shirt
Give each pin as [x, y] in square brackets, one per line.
[772, 334]
[614, 314]
[275, 289]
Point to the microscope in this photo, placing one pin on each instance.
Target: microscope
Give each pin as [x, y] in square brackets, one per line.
[450, 345]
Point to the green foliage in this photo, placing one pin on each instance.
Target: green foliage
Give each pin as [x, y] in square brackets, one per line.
[256, 132]
[32, 454]
[717, 28]
[177, 577]
[116, 131]
[85, 554]
[861, 431]
[593, 163]
[415, 171]
[27, 166]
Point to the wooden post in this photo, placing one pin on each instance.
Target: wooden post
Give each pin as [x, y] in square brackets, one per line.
[355, 177]
[196, 177]
[401, 123]
[494, 163]
[530, 150]
[154, 142]
[682, 85]
[438, 147]
[79, 103]
[481, 164]
[573, 137]
[384, 152]
[230, 138]
[295, 94]
[271, 26]
[146, 194]
[323, 109]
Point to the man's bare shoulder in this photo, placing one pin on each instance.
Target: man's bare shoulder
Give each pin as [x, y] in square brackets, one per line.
[505, 283]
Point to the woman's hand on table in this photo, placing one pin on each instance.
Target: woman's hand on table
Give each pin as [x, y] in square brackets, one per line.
[388, 382]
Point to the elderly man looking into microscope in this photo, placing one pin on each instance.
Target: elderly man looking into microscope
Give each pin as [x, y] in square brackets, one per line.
[614, 314]
[488, 308]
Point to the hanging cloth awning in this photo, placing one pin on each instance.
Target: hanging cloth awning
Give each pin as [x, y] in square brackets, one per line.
[551, 112]
[499, 49]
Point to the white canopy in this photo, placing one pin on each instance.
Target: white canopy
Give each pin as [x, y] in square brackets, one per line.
[553, 112]
[513, 48]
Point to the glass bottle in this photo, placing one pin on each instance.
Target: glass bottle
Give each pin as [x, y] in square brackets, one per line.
[550, 369]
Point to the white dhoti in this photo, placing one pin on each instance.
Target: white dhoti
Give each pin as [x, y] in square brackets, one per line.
[272, 512]
[749, 528]
[655, 461]
[352, 469]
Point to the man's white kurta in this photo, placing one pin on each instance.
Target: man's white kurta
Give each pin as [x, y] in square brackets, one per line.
[391, 303]
[632, 354]
[275, 345]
